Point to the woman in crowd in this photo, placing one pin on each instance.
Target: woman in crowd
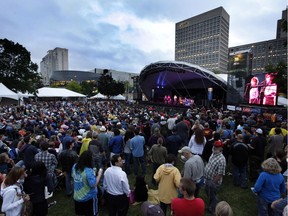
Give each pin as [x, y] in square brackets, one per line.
[158, 154]
[12, 192]
[269, 186]
[85, 185]
[197, 142]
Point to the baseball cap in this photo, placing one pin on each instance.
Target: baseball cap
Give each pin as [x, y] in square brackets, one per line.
[149, 209]
[102, 128]
[259, 131]
[218, 143]
[185, 149]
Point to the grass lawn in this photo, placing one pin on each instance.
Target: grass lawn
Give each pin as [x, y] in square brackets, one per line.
[242, 201]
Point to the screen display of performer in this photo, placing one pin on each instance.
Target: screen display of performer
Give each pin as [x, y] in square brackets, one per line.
[268, 91]
[263, 89]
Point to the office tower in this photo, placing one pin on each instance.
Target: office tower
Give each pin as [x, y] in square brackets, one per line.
[203, 40]
[55, 60]
[269, 52]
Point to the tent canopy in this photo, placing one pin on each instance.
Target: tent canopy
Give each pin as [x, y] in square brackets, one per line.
[7, 93]
[118, 97]
[98, 96]
[57, 92]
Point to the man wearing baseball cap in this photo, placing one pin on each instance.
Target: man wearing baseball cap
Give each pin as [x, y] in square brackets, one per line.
[193, 168]
[213, 173]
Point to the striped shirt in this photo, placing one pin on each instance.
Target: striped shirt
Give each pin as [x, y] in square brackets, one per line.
[215, 166]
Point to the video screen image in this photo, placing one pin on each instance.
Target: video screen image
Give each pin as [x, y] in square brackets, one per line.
[262, 90]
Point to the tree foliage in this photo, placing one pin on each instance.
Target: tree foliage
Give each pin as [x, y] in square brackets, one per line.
[88, 88]
[109, 87]
[74, 86]
[17, 71]
[281, 78]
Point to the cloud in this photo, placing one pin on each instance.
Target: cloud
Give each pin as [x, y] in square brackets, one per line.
[124, 35]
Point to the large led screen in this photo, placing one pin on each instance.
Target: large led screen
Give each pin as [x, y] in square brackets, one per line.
[262, 90]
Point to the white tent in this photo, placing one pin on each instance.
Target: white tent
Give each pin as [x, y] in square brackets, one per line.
[118, 97]
[24, 95]
[98, 96]
[7, 93]
[282, 101]
[57, 92]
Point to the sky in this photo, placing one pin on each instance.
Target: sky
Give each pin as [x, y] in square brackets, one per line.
[125, 35]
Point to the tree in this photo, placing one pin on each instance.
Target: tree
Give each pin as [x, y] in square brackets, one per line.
[17, 71]
[281, 78]
[109, 87]
[74, 86]
[88, 88]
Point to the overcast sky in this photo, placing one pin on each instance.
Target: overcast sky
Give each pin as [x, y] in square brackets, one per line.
[125, 35]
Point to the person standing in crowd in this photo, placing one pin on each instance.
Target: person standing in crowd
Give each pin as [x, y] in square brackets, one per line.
[197, 142]
[173, 143]
[34, 185]
[158, 154]
[240, 154]
[154, 137]
[275, 143]
[182, 130]
[213, 173]
[12, 192]
[257, 149]
[168, 178]
[208, 133]
[207, 151]
[189, 205]
[85, 185]
[193, 168]
[67, 137]
[127, 150]
[97, 151]
[28, 152]
[104, 138]
[116, 188]
[67, 159]
[140, 190]
[50, 162]
[137, 148]
[223, 209]
[269, 186]
[85, 142]
[116, 143]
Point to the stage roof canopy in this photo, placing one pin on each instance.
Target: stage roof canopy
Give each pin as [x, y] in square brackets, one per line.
[173, 75]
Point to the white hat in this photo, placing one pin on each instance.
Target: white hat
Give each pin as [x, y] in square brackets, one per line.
[259, 131]
[185, 149]
[102, 128]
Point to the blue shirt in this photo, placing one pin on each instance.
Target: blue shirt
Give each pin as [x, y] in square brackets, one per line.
[270, 186]
[137, 146]
[116, 143]
[84, 184]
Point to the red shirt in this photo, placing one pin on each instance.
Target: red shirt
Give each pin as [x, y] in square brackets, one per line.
[185, 207]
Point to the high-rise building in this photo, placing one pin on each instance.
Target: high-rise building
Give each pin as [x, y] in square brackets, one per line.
[269, 52]
[55, 60]
[203, 40]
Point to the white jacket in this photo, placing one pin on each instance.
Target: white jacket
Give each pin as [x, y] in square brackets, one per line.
[12, 202]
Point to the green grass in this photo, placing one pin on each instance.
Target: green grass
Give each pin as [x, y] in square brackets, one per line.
[242, 201]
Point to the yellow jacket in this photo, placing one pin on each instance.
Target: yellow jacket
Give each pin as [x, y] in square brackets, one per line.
[168, 178]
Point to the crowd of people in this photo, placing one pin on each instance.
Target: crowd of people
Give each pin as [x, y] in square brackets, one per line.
[94, 145]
